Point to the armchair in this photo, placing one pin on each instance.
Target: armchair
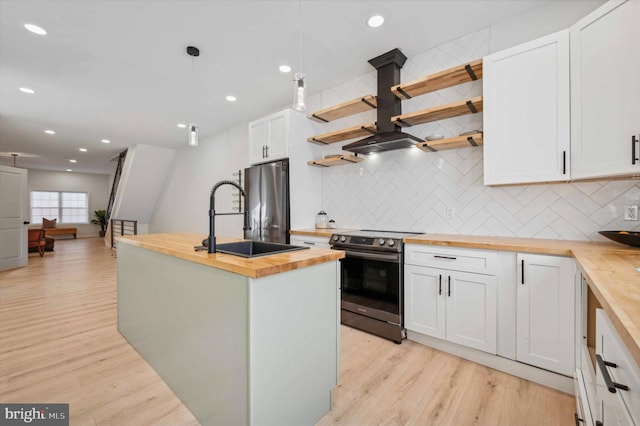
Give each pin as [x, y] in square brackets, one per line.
[36, 240]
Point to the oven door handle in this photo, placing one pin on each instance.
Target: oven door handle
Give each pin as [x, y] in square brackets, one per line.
[395, 258]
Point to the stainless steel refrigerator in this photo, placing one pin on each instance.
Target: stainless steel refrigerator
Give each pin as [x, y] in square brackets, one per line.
[267, 189]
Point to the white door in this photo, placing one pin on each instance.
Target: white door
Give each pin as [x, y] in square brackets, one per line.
[277, 147]
[472, 310]
[526, 112]
[545, 320]
[257, 141]
[14, 218]
[424, 300]
[605, 88]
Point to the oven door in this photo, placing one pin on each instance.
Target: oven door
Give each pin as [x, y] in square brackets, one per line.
[372, 285]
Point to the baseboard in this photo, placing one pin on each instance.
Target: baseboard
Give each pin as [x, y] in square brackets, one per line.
[515, 368]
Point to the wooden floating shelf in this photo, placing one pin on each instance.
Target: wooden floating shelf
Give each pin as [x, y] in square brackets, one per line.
[362, 130]
[440, 80]
[440, 112]
[364, 103]
[466, 141]
[335, 161]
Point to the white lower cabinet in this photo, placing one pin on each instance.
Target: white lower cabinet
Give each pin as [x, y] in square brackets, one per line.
[309, 241]
[545, 315]
[450, 304]
[617, 377]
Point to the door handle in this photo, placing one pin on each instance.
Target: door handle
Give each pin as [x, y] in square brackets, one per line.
[449, 284]
[633, 150]
[564, 162]
[522, 270]
[267, 148]
[610, 384]
[263, 154]
[26, 222]
[440, 284]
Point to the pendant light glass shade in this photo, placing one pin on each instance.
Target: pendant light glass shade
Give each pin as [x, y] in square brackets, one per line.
[193, 135]
[300, 92]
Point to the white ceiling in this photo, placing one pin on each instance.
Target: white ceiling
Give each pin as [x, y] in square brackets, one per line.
[118, 69]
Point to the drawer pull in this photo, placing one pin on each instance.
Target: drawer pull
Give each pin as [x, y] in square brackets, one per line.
[444, 257]
[611, 385]
[309, 243]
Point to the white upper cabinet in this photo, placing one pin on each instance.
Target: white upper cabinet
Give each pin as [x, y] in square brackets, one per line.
[545, 320]
[605, 90]
[526, 112]
[269, 138]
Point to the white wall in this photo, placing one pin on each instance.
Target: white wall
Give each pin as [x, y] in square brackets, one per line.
[143, 177]
[96, 185]
[549, 18]
[410, 189]
[184, 203]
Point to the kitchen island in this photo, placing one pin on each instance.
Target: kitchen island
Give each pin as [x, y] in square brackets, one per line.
[239, 341]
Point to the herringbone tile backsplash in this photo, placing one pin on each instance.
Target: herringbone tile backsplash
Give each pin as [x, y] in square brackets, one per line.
[443, 192]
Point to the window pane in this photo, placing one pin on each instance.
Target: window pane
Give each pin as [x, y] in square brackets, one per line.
[66, 207]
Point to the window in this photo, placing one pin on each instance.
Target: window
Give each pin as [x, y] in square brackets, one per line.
[67, 207]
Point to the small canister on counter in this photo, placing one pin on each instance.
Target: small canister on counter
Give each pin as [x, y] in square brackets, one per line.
[332, 224]
[322, 220]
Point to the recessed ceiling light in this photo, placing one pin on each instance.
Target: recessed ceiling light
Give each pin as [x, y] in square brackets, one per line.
[82, 149]
[284, 68]
[50, 132]
[27, 90]
[105, 141]
[182, 125]
[71, 160]
[375, 21]
[35, 29]
[69, 170]
[231, 98]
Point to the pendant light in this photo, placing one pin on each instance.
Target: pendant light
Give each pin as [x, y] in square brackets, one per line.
[300, 84]
[193, 128]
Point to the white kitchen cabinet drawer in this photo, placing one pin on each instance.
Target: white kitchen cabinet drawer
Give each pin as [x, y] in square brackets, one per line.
[456, 259]
[310, 241]
[626, 372]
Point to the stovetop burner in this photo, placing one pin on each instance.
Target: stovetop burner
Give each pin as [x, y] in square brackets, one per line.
[368, 239]
[373, 233]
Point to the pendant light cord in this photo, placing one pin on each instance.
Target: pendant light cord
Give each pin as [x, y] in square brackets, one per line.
[300, 34]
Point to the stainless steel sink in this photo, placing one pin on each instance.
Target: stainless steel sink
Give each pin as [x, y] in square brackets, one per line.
[252, 249]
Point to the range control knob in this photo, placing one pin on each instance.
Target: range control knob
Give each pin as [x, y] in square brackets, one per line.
[343, 238]
[335, 238]
[391, 243]
[381, 241]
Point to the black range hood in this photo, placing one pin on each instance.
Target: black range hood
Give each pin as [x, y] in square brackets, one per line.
[389, 136]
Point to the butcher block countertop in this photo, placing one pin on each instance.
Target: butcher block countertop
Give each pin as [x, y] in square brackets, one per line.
[610, 270]
[181, 245]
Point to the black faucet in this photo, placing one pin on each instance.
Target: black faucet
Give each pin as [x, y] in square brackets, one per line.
[213, 214]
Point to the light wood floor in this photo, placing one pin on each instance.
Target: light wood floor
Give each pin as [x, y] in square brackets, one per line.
[59, 343]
